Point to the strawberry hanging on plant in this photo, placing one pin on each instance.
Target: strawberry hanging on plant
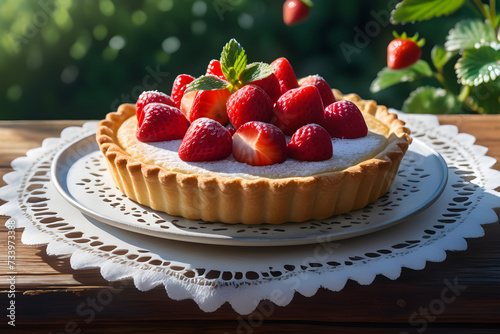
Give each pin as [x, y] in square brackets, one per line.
[296, 11]
[403, 51]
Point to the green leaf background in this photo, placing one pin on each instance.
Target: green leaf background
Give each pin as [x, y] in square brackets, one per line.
[469, 34]
[440, 56]
[421, 10]
[432, 100]
[388, 77]
[478, 66]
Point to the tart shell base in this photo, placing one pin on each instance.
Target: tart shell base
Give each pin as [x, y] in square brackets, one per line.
[264, 200]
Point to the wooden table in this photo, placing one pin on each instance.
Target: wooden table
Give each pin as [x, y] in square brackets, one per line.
[53, 298]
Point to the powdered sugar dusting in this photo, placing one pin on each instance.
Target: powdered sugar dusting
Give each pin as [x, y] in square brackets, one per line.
[346, 152]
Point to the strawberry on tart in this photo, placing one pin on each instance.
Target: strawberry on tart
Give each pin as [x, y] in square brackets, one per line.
[248, 143]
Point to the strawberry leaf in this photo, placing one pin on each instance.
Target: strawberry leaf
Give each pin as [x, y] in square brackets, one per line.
[233, 61]
[432, 100]
[206, 82]
[469, 34]
[486, 98]
[256, 71]
[418, 10]
[388, 77]
[479, 65]
[308, 3]
[440, 56]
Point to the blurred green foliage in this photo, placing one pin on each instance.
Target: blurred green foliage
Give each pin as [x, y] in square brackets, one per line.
[78, 59]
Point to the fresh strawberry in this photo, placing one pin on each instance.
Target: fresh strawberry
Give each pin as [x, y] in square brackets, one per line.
[403, 52]
[324, 89]
[249, 103]
[205, 140]
[296, 11]
[343, 119]
[215, 69]
[259, 144]
[270, 85]
[310, 143]
[179, 87]
[206, 103]
[150, 97]
[298, 107]
[161, 122]
[285, 74]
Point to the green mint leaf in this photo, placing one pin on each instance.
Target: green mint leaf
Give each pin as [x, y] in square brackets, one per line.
[469, 34]
[388, 77]
[233, 61]
[479, 65]
[418, 10]
[256, 71]
[206, 82]
[432, 100]
[440, 56]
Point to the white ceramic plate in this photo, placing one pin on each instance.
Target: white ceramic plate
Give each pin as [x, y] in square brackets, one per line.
[79, 172]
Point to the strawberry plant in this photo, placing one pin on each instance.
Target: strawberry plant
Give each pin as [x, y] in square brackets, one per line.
[474, 45]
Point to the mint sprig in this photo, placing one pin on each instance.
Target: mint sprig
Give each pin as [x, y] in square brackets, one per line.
[233, 61]
[206, 82]
[237, 72]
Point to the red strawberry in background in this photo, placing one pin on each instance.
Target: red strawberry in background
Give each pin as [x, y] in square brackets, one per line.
[270, 85]
[298, 107]
[402, 52]
[205, 140]
[259, 144]
[285, 74]
[151, 97]
[324, 89]
[179, 87]
[296, 11]
[161, 122]
[343, 119]
[215, 69]
[206, 103]
[249, 103]
[310, 143]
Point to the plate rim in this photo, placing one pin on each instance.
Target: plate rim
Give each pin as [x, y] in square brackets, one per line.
[215, 239]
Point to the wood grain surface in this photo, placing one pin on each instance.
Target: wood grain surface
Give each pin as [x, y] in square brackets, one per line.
[53, 298]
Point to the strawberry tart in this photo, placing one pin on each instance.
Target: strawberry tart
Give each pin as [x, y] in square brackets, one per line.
[249, 143]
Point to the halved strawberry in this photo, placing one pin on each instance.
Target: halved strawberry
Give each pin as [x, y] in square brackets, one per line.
[150, 97]
[205, 140]
[161, 122]
[259, 144]
[310, 143]
[343, 119]
[179, 87]
[187, 102]
[206, 103]
[285, 74]
[324, 89]
[249, 103]
[215, 69]
[270, 85]
[298, 107]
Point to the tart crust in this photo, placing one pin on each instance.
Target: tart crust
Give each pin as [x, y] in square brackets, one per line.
[262, 200]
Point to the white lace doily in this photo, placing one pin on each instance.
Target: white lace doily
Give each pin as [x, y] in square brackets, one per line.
[243, 276]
